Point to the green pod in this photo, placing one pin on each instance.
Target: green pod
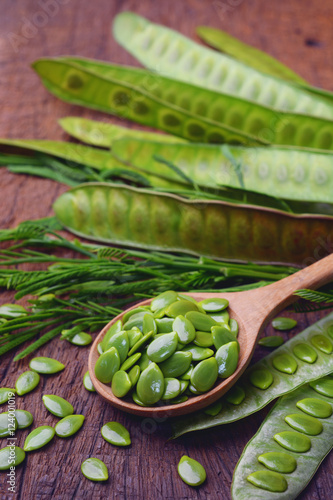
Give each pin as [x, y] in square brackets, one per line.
[182, 109]
[257, 397]
[296, 464]
[104, 134]
[146, 219]
[291, 174]
[257, 59]
[157, 46]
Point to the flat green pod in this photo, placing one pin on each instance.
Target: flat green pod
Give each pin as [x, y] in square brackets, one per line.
[111, 88]
[155, 45]
[74, 210]
[256, 397]
[288, 173]
[263, 453]
[104, 134]
[251, 56]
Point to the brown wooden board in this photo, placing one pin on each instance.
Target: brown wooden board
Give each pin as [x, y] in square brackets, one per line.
[300, 35]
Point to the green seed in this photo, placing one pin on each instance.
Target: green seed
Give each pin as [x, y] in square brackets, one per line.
[233, 326]
[163, 347]
[323, 386]
[223, 318]
[11, 311]
[27, 382]
[81, 339]
[171, 388]
[227, 359]
[194, 390]
[203, 339]
[8, 423]
[235, 395]
[163, 300]
[88, 383]
[201, 321]
[38, 437]
[116, 434]
[305, 353]
[115, 328]
[46, 365]
[198, 353]
[204, 374]
[214, 305]
[57, 406]
[268, 480]
[121, 384]
[135, 321]
[213, 409]
[322, 343]
[69, 425]
[293, 441]
[134, 336]
[100, 348]
[284, 323]
[24, 419]
[180, 308]
[134, 374]
[164, 325]
[107, 365]
[304, 423]
[144, 361]
[180, 399]
[315, 407]
[150, 386]
[5, 394]
[184, 329]
[191, 471]
[271, 341]
[221, 335]
[121, 343]
[140, 343]
[177, 364]
[183, 385]
[94, 469]
[129, 362]
[188, 373]
[137, 400]
[148, 324]
[11, 458]
[129, 314]
[262, 378]
[278, 462]
[285, 363]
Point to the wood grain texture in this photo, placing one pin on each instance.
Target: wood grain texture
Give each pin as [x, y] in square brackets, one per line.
[300, 35]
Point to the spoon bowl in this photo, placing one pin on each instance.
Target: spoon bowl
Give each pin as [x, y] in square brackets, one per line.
[252, 309]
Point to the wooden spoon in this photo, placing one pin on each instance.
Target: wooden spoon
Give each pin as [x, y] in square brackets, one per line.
[252, 309]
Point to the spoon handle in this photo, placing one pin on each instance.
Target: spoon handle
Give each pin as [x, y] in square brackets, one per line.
[280, 294]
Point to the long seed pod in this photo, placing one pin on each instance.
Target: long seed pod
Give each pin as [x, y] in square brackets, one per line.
[147, 219]
[253, 386]
[182, 109]
[282, 470]
[257, 59]
[81, 155]
[169, 53]
[285, 173]
[104, 134]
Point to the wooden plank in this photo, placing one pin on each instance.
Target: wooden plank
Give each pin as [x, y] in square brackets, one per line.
[299, 34]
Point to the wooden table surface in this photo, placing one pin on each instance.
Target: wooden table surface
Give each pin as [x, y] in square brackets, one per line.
[300, 35]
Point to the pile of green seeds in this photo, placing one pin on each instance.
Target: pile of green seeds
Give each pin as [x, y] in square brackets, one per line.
[170, 350]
